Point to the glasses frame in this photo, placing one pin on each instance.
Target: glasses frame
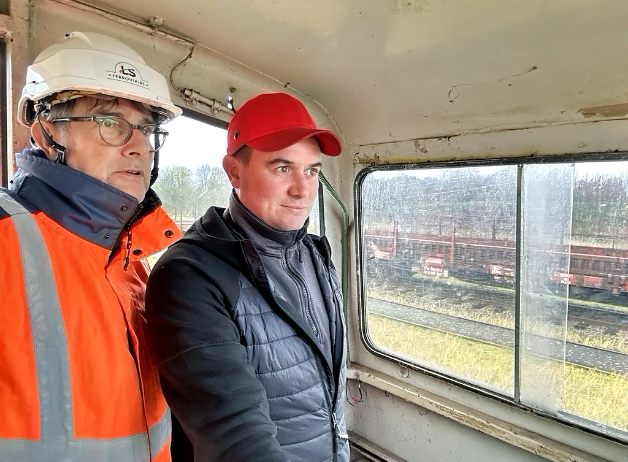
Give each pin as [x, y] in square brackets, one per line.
[157, 131]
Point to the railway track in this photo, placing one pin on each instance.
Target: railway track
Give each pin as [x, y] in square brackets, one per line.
[498, 299]
[573, 353]
[607, 316]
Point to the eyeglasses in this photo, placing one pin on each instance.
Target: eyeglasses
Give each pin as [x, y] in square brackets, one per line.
[116, 131]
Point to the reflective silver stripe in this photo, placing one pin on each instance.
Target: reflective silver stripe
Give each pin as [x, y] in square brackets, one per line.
[53, 375]
[51, 350]
[159, 433]
[128, 449]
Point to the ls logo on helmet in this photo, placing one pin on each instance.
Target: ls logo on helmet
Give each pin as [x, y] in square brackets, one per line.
[127, 73]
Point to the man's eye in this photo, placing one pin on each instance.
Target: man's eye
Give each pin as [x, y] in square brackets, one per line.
[284, 169]
[313, 171]
[108, 122]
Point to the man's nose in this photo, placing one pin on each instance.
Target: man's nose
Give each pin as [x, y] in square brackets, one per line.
[300, 186]
[138, 144]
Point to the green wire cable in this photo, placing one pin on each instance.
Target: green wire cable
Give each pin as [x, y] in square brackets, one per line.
[343, 242]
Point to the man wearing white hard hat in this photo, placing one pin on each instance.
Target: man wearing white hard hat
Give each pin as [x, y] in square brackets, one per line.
[76, 224]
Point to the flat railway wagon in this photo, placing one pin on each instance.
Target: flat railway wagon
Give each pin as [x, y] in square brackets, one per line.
[490, 260]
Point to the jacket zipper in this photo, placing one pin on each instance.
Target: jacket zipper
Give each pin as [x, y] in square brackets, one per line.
[127, 251]
[136, 213]
[335, 430]
[303, 292]
[336, 433]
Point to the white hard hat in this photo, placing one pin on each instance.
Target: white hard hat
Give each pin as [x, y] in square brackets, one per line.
[91, 63]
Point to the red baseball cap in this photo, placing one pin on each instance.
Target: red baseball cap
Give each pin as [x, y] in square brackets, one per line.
[273, 121]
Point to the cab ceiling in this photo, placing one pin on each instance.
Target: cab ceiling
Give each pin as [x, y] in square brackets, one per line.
[393, 70]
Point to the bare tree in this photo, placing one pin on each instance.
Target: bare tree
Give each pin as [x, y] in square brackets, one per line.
[175, 187]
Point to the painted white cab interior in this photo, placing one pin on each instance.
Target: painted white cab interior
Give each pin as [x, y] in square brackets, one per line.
[399, 80]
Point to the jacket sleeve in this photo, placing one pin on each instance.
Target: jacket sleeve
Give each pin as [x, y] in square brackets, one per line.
[210, 387]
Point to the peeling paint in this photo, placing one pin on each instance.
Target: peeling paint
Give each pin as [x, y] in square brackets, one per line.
[365, 159]
[507, 432]
[455, 92]
[611, 110]
[420, 147]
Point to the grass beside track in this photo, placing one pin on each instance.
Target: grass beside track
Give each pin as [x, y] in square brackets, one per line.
[593, 336]
[599, 396]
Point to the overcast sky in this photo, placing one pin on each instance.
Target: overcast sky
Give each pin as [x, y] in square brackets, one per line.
[192, 143]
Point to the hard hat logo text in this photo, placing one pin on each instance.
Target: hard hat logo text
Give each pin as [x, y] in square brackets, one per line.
[127, 73]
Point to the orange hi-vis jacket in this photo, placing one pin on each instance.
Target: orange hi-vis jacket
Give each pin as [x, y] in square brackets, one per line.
[76, 380]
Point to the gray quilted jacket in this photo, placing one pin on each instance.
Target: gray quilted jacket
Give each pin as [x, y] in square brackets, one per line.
[241, 368]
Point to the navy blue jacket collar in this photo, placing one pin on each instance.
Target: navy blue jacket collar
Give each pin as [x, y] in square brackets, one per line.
[80, 203]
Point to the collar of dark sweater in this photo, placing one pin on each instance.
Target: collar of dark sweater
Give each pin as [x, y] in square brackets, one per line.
[262, 234]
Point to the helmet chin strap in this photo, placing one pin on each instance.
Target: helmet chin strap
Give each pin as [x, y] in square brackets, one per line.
[154, 173]
[60, 149]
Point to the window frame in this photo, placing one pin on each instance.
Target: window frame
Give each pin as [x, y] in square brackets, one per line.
[606, 433]
[5, 147]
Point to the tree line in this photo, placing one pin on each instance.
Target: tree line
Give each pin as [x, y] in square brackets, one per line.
[483, 205]
[186, 194]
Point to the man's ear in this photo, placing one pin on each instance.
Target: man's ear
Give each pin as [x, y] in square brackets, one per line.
[38, 136]
[231, 166]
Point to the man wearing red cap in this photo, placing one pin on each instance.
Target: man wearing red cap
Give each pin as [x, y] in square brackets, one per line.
[245, 312]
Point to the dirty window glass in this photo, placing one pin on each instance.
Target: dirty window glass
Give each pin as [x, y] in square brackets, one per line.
[443, 286]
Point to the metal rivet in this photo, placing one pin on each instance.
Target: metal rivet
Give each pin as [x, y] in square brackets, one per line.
[168, 233]
[137, 251]
[124, 208]
[107, 236]
[235, 135]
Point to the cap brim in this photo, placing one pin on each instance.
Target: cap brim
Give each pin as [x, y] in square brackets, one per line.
[327, 140]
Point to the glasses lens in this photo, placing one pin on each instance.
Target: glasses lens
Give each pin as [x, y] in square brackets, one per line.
[114, 130]
[158, 138]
